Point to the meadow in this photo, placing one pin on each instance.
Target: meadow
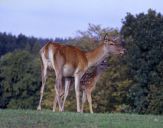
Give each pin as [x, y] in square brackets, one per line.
[47, 119]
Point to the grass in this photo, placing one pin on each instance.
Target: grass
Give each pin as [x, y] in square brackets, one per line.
[47, 119]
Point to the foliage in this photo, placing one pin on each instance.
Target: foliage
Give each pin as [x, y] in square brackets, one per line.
[9, 43]
[20, 81]
[143, 34]
[110, 93]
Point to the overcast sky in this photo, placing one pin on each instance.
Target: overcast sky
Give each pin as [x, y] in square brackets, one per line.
[62, 18]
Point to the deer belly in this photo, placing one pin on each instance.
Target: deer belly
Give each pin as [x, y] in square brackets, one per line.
[68, 71]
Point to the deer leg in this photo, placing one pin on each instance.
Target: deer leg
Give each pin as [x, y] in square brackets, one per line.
[89, 101]
[67, 85]
[77, 91]
[55, 101]
[57, 66]
[83, 101]
[58, 90]
[44, 76]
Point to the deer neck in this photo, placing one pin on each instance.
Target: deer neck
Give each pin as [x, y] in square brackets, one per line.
[95, 56]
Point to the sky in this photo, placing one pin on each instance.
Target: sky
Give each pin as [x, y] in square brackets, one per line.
[63, 18]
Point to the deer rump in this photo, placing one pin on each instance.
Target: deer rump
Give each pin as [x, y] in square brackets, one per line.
[68, 59]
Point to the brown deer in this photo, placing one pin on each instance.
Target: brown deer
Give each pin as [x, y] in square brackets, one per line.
[70, 61]
[87, 84]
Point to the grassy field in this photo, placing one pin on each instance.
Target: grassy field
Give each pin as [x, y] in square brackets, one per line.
[48, 119]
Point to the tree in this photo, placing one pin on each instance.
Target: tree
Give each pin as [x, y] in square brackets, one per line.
[9, 43]
[20, 80]
[143, 34]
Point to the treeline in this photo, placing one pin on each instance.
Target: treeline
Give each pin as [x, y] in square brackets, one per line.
[9, 43]
[133, 83]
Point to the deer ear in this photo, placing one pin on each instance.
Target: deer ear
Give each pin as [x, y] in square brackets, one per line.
[106, 38]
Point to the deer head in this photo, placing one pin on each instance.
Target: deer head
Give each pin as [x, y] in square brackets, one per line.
[113, 46]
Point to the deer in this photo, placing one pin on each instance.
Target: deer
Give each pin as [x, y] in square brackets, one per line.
[87, 84]
[70, 61]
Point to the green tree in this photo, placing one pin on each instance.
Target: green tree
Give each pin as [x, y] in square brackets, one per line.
[19, 80]
[9, 43]
[143, 34]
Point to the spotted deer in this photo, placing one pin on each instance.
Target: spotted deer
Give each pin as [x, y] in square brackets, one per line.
[87, 84]
[69, 61]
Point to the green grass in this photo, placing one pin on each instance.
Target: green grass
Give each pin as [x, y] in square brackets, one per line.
[48, 119]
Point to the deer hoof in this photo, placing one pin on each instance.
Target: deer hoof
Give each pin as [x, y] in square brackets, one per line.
[39, 108]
